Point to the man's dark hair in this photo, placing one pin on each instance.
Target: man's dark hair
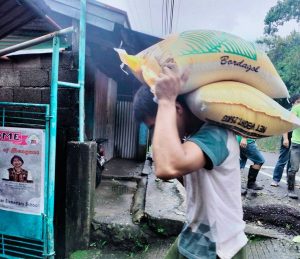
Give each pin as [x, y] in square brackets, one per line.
[145, 107]
[294, 98]
[143, 104]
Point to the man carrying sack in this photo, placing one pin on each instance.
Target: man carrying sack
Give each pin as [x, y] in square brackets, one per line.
[207, 159]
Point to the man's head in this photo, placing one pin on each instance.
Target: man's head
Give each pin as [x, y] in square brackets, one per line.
[295, 99]
[145, 109]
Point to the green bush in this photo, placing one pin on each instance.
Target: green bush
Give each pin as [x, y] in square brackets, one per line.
[270, 144]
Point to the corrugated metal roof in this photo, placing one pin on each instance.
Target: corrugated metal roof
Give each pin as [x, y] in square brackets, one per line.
[33, 29]
[98, 14]
[106, 29]
[13, 14]
[22, 20]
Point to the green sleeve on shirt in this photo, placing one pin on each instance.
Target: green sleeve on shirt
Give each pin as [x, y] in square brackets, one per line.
[296, 132]
[249, 140]
[213, 142]
[296, 110]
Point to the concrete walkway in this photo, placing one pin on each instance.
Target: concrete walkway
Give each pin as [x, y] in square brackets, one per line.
[130, 189]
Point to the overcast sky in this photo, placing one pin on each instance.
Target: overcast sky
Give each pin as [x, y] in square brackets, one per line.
[244, 18]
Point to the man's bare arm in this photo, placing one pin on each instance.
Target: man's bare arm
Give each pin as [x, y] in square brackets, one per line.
[285, 141]
[172, 158]
[243, 142]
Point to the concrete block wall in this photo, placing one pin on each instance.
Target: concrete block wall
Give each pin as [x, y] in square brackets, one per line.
[27, 78]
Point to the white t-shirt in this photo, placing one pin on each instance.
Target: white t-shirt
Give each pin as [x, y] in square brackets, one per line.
[214, 208]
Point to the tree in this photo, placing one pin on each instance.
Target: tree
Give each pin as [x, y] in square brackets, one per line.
[287, 60]
[285, 55]
[284, 52]
[282, 12]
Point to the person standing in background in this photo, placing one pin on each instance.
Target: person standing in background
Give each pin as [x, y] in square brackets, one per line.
[284, 152]
[295, 154]
[248, 150]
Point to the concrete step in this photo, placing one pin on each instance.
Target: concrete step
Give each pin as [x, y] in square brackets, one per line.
[272, 248]
[268, 231]
[165, 206]
[134, 209]
[112, 223]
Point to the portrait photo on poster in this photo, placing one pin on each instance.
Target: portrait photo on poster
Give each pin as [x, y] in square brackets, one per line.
[17, 173]
[22, 170]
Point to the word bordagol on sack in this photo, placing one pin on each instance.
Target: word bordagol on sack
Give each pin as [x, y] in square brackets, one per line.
[226, 61]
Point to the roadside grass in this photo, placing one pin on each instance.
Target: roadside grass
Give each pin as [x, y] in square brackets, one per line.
[270, 144]
[86, 254]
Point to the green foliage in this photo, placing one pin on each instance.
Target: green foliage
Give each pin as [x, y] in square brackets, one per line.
[284, 52]
[282, 12]
[270, 144]
[285, 55]
[102, 244]
[130, 255]
[288, 226]
[86, 254]
[160, 230]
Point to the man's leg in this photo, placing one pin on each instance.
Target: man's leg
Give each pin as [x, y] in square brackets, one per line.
[252, 175]
[282, 161]
[293, 169]
[257, 158]
[243, 160]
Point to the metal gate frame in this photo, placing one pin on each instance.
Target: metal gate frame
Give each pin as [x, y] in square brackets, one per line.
[13, 245]
[29, 238]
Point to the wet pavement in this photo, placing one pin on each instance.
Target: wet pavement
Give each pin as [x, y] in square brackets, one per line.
[265, 178]
[271, 195]
[122, 168]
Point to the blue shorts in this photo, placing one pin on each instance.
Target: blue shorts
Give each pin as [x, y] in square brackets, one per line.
[252, 153]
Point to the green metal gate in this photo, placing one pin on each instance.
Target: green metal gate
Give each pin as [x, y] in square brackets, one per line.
[25, 235]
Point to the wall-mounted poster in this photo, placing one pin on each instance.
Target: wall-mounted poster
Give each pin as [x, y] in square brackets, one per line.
[22, 166]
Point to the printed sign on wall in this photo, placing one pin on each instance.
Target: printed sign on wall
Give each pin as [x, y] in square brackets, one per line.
[22, 166]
